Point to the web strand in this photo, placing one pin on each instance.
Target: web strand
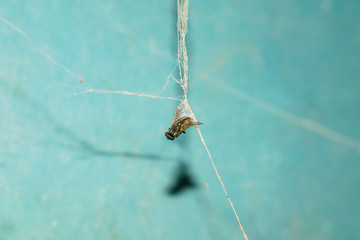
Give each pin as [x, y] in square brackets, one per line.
[40, 50]
[123, 93]
[305, 123]
[183, 6]
[222, 184]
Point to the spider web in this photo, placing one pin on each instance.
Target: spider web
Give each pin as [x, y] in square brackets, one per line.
[183, 108]
[184, 105]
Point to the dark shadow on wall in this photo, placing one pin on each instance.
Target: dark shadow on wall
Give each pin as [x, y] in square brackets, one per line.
[90, 148]
[183, 180]
[42, 113]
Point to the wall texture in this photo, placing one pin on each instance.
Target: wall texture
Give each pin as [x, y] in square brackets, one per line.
[276, 84]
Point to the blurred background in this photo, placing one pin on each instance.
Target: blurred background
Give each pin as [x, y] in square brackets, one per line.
[276, 84]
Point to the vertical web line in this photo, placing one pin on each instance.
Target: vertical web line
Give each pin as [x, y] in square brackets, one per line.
[183, 6]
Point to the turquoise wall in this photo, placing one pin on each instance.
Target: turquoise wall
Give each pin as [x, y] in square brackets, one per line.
[276, 84]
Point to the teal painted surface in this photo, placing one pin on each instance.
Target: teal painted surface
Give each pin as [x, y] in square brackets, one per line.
[98, 166]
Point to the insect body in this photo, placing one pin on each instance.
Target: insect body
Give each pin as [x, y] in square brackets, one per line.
[179, 126]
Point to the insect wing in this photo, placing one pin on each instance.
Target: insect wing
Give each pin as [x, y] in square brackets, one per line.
[179, 113]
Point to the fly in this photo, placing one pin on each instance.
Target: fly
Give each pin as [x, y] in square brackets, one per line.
[179, 126]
